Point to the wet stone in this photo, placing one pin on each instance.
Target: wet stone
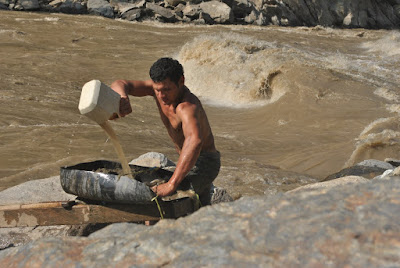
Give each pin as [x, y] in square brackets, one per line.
[354, 224]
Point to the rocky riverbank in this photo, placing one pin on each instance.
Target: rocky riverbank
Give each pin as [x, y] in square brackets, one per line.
[348, 221]
[371, 14]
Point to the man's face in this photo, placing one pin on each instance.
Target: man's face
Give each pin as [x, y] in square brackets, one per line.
[167, 91]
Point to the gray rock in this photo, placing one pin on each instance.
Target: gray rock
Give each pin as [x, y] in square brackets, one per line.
[368, 172]
[353, 13]
[192, 11]
[100, 7]
[14, 237]
[72, 7]
[131, 15]
[327, 185]
[393, 162]
[354, 225]
[56, 3]
[152, 159]
[43, 190]
[165, 14]
[218, 11]
[193, 2]
[375, 163]
[219, 195]
[390, 173]
[3, 6]
[35, 191]
[174, 2]
[396, 10]
[123, 7]
[28, 4]
[256, 18]
[241, 8]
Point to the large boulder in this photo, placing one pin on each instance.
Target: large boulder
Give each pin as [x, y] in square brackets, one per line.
[353, 225]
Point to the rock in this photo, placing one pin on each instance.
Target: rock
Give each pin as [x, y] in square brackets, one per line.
[353, 14]
[56, 3]
[388, 174]
[327, 185]
[100, 7]
[393, 162]
[218, 11]
[164, 14]
[14, 237]
[375, 163]
[352, 224]
[72, 7]
[35, 191]
[368, 172]
[123, 7]
[370, 14]
[192, 11]
[152, 159]
[255, 18]
[219, 195]
[396, 10]
[174, 2]
[131, 15]
[43, 190]
[28, 4]
[241, 8]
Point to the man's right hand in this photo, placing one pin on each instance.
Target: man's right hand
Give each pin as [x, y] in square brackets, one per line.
[125, 107]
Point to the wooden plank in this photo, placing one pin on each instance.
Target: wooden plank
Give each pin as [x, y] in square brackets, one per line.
[64, 213]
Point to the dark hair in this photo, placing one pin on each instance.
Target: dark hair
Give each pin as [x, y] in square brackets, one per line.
[166, 68]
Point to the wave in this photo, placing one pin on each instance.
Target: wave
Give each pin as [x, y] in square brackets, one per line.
[233, 70]
[236, 70]
[387, 46]
[379, 140]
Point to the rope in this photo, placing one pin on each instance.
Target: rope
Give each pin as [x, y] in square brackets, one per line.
[158, 206]
[198, 200]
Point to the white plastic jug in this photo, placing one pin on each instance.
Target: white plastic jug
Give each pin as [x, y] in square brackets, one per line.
[98, 101]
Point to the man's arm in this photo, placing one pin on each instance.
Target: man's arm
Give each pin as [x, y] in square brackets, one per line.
[190, 151]
[131, 87]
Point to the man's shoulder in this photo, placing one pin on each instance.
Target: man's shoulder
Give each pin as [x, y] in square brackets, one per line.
[186, 106]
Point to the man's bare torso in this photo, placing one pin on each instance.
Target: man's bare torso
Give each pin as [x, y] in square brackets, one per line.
[173, 122]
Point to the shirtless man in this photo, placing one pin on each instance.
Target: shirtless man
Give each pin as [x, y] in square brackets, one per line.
[186, 123]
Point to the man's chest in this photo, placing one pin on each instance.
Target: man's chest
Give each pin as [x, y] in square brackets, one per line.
[170, 119]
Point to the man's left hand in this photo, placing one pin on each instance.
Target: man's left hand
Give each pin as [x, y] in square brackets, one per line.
[163, 189]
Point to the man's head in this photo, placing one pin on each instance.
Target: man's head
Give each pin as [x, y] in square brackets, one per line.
[166, 68]
[168, 80]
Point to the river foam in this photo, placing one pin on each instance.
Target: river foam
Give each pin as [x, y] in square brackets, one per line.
[232, 70]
